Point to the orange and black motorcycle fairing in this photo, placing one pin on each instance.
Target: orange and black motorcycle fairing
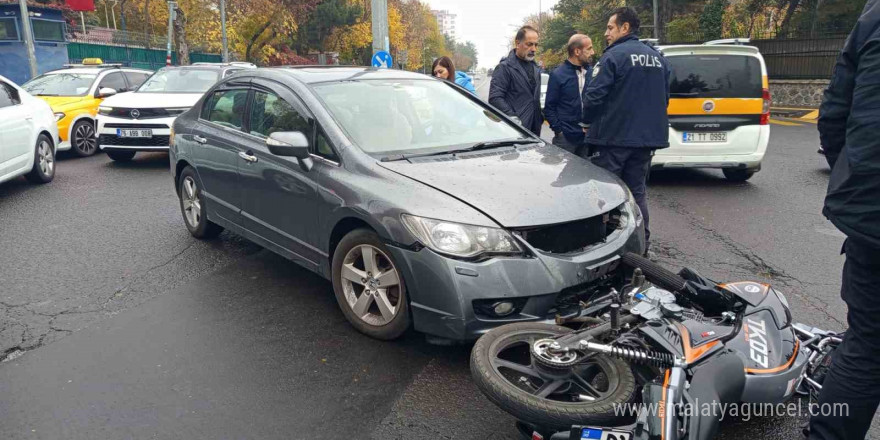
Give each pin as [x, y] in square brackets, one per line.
[673, 351]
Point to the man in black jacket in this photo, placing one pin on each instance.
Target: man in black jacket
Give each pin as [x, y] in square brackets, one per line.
[516, 82]
[849, 121]
[564, 103]
[625, 105]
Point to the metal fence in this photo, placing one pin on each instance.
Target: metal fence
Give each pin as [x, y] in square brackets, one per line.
[132, 49]
[796, 54]
[808, 58]
[142, 58]
[115, 37]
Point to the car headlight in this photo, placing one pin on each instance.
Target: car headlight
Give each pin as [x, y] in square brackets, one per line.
[632, 210]
[103, 110]
[59, 116]
[176, 111]
[461, 240]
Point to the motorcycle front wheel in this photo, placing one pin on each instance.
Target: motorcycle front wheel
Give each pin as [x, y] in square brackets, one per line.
[595, 391]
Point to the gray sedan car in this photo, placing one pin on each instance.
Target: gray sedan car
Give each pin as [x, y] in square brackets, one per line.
[424, 206]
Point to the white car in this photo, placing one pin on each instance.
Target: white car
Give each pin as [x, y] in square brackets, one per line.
[28, 135]
[141, 120]
[719, 108]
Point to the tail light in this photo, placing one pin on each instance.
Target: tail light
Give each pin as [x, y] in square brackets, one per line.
[765, 111]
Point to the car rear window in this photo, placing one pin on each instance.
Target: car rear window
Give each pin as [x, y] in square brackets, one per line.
[715, 76]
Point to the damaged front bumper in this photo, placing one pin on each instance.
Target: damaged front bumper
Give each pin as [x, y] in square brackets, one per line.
[457, 299]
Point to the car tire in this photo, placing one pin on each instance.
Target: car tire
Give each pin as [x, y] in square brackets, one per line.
[43, 170]
[82, 138]
[121, 156]
[192, 206]
[361, 265]
[737, 175]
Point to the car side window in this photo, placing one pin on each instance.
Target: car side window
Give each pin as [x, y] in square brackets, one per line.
[135, 79]
[226, 108]
[270, 113]
[8, 95]
[323, 147]
[114, 81]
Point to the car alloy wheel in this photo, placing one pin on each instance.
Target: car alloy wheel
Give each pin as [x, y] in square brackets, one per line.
[84, 139]
[371, 285]
[46, 158]
[192, 207]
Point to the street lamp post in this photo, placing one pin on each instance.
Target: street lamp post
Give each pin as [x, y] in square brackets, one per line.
[171, 5]
[380, 25]
[656, 17]
[223, 30]
[28, 37]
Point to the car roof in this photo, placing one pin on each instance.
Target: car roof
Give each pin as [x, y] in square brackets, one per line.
[238, 64]
[728, 49]
[95, 70]
[318, 74]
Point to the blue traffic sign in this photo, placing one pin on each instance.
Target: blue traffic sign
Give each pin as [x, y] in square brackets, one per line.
[382, 59]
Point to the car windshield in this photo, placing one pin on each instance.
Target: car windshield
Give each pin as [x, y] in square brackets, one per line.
[60, 84]
[715, 76]
[180, 81]
[411, 116]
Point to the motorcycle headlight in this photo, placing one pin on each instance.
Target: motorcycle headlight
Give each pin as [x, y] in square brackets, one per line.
[461, 240]
[59, 116]
[103, 110]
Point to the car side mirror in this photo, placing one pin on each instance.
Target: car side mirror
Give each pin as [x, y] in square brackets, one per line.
[106, 92]
[291, 144]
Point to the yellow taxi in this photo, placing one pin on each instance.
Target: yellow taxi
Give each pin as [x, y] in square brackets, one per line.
[75, 92]
[719, 108]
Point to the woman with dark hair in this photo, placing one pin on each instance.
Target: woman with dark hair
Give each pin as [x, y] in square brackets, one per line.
[443, 68]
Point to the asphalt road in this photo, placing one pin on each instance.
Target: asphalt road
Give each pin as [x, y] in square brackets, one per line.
[115, 323]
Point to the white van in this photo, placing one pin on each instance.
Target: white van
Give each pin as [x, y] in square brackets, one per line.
[719, 108]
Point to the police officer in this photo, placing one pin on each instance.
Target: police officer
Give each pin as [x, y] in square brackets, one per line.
[625, 105]
[516, 82]
[849, 120]
[564, 103]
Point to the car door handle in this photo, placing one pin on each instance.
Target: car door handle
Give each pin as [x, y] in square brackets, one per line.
[200, 139]
[248, 157]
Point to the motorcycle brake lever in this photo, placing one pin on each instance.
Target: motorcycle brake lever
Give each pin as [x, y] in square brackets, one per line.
[740, 309]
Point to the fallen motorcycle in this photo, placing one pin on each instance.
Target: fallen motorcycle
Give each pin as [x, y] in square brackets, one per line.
[643, 358]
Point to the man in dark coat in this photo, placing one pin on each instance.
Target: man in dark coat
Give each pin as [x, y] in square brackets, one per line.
[849, 120]
[564, 102]
[625, 105]
[516, 82]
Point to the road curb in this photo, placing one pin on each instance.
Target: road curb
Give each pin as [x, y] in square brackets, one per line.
[795, 113]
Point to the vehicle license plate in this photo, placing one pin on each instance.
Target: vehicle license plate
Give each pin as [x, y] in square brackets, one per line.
[133, 133]
[691, 137]
[604, 434]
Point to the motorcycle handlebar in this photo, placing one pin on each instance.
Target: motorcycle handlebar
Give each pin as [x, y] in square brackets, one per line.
[656, 274]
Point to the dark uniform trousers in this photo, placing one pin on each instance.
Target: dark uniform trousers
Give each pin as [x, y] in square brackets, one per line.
[854, 377]
[562, 142]
[631, 165]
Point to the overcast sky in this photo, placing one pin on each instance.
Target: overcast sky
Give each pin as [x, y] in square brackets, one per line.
[490, 24]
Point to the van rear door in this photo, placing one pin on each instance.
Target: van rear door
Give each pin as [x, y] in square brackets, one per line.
[716, 101]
